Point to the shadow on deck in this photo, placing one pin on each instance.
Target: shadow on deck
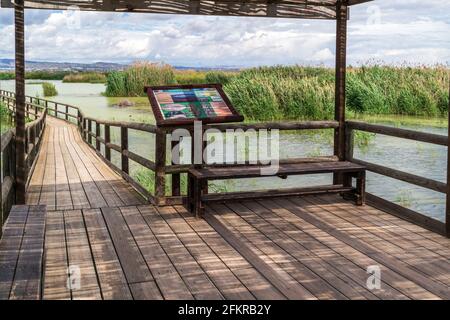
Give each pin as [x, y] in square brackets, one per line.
[314, 247]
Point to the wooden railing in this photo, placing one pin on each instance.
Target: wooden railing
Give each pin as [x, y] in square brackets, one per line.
[423, 182]
[33, 138]
[97, 133]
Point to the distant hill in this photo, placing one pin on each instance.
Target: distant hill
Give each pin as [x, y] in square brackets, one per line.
[8, 65]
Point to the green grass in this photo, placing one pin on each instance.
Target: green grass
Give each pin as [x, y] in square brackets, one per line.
[49, 89]
[86, 77]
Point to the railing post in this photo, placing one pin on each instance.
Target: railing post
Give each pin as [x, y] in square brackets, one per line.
[89, 137]
[447, 209]
[123, 147]
[84, 129]
[160, 163]
[107, 140]
[79, 122]
[67, 113]
[97, 136]
[176, 183]
[36, 111]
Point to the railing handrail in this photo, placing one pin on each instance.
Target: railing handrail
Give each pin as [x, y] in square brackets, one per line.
[399, 132]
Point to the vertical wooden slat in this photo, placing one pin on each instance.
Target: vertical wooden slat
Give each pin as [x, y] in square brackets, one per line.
[89, 137]
[447, 209]
[107, 140]
[175, 177]
[20, 101]
[124, 146]
[160, 162]
[341, 53]
[67, 113]
[97, 135]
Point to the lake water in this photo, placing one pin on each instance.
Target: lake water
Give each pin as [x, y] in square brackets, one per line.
[419, 158]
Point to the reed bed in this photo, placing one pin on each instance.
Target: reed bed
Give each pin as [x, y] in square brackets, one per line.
[298, 92]
[86, 77]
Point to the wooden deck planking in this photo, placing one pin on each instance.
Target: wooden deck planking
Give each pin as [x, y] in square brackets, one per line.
[313, 247]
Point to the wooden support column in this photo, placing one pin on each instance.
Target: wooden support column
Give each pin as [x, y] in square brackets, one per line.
[107, 140]
[447, 209]
[341, 65]
[20, 101]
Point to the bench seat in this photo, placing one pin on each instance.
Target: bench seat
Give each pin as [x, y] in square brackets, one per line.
[198, 181]
[222, 173]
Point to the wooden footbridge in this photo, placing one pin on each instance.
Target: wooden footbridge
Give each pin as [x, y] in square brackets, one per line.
[77, 225]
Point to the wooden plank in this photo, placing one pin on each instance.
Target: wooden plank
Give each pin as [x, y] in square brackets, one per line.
[133, 263]
[229, 286]
[113, 283]
[48, 191]
[124, 192]
[78, 195]
[421, 287]
[27, 279]
[145, 291]
[55, 273]
[93, 194]
[274, 255]
[63, 196]
[163, 270]
[334, 278]
[328, 248]
[92, 165]
[281, 279]
[259, 286]
[35, 186]
[385, 235]
[219, 173]
[84, 284]
[10, 244]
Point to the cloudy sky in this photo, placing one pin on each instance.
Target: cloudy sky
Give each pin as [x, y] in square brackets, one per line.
[391, 31]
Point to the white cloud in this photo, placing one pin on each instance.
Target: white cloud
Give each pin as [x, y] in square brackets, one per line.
[403, 31]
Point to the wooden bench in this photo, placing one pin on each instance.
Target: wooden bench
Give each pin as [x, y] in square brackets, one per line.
[198, 182]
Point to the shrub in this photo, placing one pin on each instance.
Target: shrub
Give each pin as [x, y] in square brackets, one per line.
[49, 89]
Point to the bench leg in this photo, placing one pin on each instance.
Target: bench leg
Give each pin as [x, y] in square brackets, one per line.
[190, 194]
[198, 185]
[361, 188]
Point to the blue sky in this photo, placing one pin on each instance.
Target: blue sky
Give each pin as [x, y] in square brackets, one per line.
[388, 31]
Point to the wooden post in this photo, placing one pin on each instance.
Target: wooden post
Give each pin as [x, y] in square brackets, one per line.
[97, 135]
[160, 163]
[175, 177]
[349, 141]
[89, 137]
[447, 209]
[124, 146]
[341, 64]
[67, 113]
[107, 140]
[20, 101]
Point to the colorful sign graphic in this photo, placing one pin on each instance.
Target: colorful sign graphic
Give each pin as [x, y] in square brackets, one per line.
[195, 103]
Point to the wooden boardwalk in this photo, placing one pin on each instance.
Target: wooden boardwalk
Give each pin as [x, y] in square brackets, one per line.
[83, 219]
